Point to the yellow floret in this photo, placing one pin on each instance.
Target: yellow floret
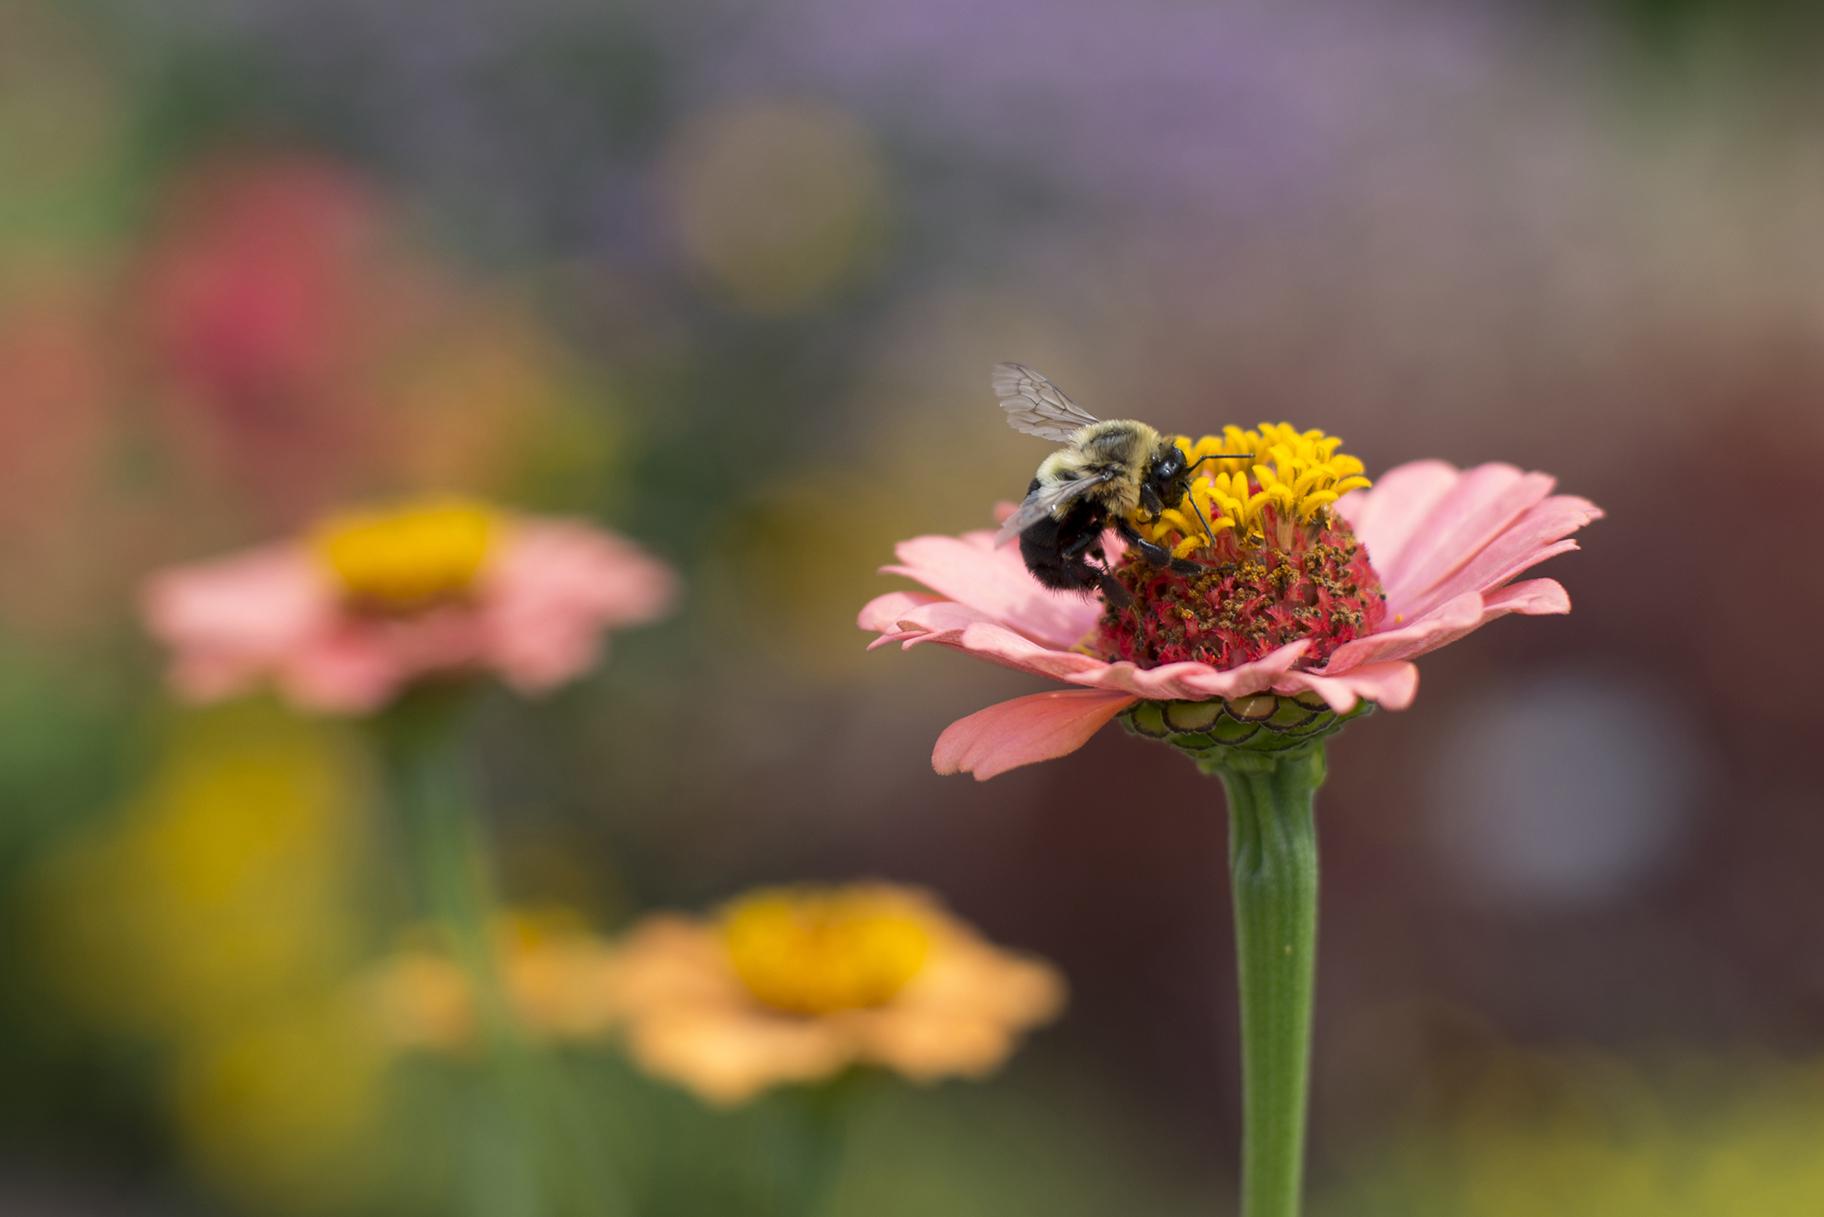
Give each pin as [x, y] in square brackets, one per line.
[408, 557]
[822, 950]
[1295, 475]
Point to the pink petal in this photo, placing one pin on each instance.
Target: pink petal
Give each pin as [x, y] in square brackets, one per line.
[1442, 625]
[551, 567]
[970, 630]
[945, 622]
[348, 670]
[1038, 727]
[538, 658]
[1449, 622]
[1392, 686]
[227, 622]
[1534, 598]
[1481, 506]
[972, 571]
[556, 586]
[260, 601]
[1389, 514]
[1172, 681]
[1198, 681]
[1538, 534]
[883, 613]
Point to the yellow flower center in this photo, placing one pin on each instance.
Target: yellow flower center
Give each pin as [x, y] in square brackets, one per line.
[1291, 480]
[822, 950]
[408, 558]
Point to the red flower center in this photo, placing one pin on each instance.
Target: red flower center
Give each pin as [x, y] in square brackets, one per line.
[1244, 600]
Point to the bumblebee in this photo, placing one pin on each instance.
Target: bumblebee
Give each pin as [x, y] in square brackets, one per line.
[1106, 473]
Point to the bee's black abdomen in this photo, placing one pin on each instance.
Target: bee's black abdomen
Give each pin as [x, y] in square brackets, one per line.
[1042, 546]
[1066, 554]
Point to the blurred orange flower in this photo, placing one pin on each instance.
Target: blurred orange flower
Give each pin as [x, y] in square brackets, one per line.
[557, 976]
[797, 984]
[349, 616]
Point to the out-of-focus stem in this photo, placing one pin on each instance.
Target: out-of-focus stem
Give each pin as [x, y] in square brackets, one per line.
[430, 787]
[814, 1121]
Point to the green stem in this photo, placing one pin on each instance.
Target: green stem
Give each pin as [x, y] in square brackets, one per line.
[814, 1123]
[1273, 867]
[431, 791]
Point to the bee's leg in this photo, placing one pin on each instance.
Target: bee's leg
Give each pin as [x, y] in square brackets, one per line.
[1085, 556]
[1086, 552]
[1152, 551]
[1096, 563]
[1082, 544]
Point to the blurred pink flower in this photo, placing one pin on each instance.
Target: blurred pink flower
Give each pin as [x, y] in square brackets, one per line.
[1444, 542]
[346, 618]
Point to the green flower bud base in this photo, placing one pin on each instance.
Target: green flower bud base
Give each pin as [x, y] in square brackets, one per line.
[1214, 731]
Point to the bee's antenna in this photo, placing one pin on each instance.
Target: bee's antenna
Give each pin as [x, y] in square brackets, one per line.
[1220, 456]
[1198, 512]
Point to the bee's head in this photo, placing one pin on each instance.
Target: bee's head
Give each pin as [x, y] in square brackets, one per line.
[1168, 477]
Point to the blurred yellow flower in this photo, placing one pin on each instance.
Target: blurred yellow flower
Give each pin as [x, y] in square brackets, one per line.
[281, 1110]
[226, 886]
[796, 984]
[218, 914]
[557, 975]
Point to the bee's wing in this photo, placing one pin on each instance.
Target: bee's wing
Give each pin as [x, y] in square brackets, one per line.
[1035, 405]
[1044, 500]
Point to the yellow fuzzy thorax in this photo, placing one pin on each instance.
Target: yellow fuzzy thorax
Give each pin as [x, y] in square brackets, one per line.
[1292, 478]
[816, 951]
[409, 557]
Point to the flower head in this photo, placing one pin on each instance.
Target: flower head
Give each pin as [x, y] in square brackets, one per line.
[367, 603]
[797, 984]
[1307, 584]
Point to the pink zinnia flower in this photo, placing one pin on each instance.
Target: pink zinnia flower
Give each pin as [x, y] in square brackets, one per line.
[348, 616]
[1314, 587]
